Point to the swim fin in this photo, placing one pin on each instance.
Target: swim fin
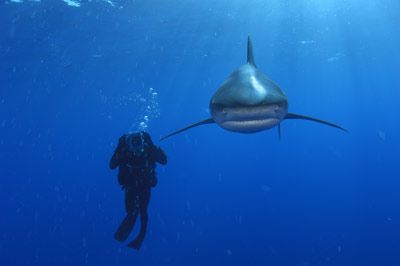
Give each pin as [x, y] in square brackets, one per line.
[136, 243]
[125, 227]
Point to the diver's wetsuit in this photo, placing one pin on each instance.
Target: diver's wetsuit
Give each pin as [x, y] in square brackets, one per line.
[137, 176]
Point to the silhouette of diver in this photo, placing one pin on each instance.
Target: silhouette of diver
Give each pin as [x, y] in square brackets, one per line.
[136, 156]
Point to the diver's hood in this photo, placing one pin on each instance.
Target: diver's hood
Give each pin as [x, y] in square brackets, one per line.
[137, 143]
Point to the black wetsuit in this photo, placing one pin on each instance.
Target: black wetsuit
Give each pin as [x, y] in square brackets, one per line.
[137, 176]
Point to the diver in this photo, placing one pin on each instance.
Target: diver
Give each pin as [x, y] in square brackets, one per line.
[136, 156]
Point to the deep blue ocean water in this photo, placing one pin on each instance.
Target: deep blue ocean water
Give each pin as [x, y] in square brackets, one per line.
[75, 75]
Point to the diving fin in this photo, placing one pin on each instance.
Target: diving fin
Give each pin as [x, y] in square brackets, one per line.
[296, 116]
[136, 243]
[203, 122]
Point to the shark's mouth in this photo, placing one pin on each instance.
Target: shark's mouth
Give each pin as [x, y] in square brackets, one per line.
[249, 126]
[249, 119]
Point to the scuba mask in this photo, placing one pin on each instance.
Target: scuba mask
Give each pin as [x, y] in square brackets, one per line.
[136, 143]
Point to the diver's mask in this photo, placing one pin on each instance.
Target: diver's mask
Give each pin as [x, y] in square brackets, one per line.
[136, 143]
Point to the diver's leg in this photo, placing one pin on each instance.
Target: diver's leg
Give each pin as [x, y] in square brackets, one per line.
[128, 223]
[137, 242]
[144, 202]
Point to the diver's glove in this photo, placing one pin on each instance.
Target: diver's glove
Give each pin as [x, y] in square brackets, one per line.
[122, 149]
[121, 142]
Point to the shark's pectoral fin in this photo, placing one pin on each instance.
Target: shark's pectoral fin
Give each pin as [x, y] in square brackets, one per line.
[279, 131]
[295, 116]
[203, 122]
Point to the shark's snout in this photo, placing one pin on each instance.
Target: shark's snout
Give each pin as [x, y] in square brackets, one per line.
[248, 101]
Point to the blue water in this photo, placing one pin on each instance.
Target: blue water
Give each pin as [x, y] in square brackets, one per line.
[75, 75]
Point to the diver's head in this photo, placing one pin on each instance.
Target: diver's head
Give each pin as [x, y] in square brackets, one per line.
[140, 138]
[138, 142]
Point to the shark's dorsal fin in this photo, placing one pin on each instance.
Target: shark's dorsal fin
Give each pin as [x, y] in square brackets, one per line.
[250, 57]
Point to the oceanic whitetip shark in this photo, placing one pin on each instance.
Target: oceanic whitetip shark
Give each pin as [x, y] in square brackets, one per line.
[248, 101]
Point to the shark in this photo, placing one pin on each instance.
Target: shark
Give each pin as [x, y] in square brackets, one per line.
[249, 102]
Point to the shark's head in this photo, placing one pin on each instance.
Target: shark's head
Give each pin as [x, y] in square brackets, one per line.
[248, 101]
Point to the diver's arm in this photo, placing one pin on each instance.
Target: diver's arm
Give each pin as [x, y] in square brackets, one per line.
[115, 160]
[160, 156]
[117, 157]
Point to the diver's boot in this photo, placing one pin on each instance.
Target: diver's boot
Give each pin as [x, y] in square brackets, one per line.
[125, 227]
